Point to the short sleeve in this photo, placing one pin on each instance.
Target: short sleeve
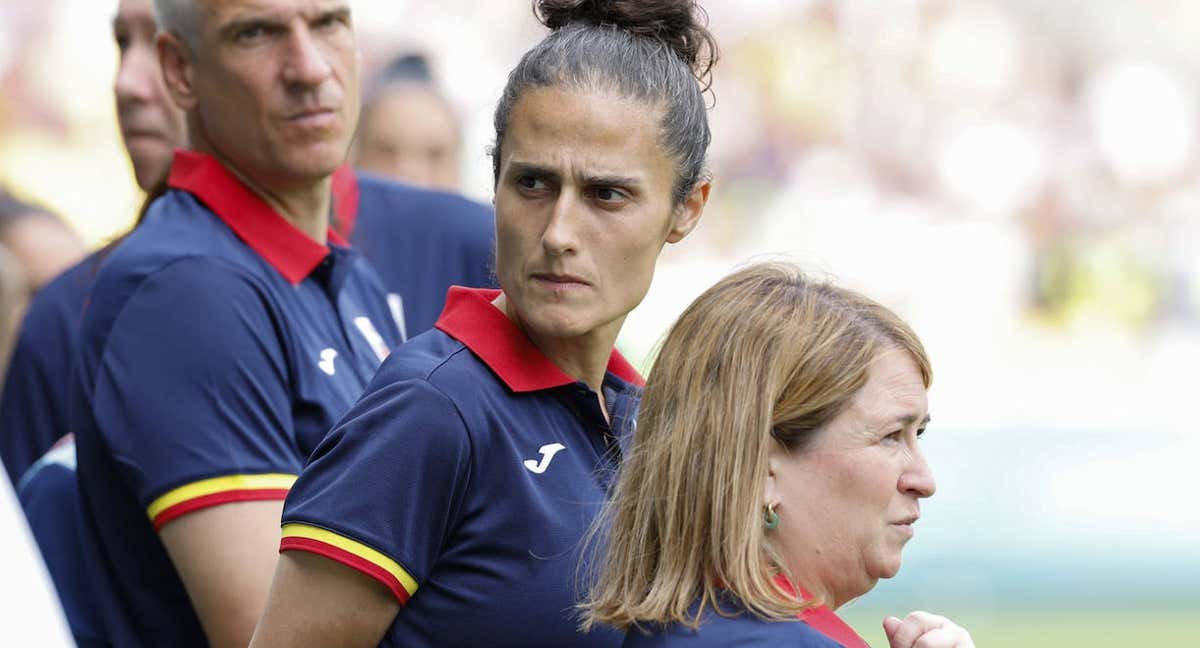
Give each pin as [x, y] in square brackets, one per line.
[382, 491]
[191, 393]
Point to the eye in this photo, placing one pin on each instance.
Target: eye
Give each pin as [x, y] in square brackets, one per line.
[531, 183]
[122, 42]
[330, 20]
[609, 196]
[920, 432]
[251, 33]
[894, 437]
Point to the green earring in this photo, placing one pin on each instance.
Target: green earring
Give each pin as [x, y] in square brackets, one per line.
[771, 521]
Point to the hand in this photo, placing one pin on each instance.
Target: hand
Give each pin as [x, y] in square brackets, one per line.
[925, 630]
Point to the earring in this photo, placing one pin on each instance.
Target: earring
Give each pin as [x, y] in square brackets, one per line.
[771, 519]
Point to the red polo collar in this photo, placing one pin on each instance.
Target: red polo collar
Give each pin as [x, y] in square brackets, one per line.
[470, 318]
[291, 252]
[822, 619]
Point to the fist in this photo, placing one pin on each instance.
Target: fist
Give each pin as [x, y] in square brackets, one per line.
[925, 630]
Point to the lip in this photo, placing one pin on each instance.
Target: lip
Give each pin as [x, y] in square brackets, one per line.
[906, 524]
[559, 281]
[142, 133]
[313, 118]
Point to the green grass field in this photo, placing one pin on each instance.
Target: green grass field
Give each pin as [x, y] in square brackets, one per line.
[1090, 628]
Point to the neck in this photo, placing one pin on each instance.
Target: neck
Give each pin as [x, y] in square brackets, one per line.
[826, 588]
[305, 205]
[584, 357]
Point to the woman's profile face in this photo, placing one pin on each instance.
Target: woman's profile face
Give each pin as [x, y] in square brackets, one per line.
[847, 503]
[583, 208]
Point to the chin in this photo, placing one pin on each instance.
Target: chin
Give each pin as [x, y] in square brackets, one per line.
[548, 325]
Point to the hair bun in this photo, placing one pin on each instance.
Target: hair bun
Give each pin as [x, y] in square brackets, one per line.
[680, 24]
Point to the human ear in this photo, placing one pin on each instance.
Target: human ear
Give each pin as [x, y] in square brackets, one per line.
[771, 492]
[688, 214]
[175, 59]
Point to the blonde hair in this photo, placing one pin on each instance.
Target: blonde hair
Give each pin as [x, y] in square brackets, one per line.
[765, 356]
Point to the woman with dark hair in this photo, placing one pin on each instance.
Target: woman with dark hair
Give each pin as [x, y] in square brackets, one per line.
[775, 473]
[447, 508]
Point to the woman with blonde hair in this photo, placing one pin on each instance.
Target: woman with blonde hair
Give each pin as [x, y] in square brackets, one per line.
[775, 472]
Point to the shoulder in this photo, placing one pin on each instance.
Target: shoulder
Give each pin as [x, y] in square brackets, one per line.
[56, 308]
[49, 325]
[436, 358]
[191, 282]
[740, 630]
[191, 306]
[65, 296]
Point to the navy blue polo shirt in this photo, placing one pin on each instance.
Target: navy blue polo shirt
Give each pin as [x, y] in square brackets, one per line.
[465, 479]
[219, 346]
[33, 407]
[816, 627]
[717, 631]
[420, 241]
[49, 496]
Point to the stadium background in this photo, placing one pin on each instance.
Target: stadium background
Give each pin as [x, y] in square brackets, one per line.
[1019, 178]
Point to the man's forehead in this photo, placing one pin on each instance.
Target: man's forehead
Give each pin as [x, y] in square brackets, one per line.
[217, 7]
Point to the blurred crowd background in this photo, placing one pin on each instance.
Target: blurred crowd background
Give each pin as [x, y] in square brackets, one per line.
[1018, 178]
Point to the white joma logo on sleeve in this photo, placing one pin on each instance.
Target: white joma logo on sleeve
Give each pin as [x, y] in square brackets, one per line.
[547, 451]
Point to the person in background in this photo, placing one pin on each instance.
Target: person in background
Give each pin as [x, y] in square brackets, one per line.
[42, 243]
[224, 335]
[35, 444]
[13, 299]
[409, 131]
[33, 407]
[446, 508]
[776, 472]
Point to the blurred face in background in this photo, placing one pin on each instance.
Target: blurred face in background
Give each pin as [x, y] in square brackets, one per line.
[152, 127]
[272, 88]
[847, 502]
[43, 246]
[408, 133]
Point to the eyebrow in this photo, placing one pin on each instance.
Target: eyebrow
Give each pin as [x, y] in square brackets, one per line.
[587, 179]
[910, 419]
[233, 27]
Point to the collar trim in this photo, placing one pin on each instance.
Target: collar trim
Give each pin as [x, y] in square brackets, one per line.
[470, 318]
[291, 252]
[822, 619]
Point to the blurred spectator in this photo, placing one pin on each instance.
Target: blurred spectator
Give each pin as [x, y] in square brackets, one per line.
[152, 127]
[33, 407]
[41, 242]
[12, 302]
[408, 131]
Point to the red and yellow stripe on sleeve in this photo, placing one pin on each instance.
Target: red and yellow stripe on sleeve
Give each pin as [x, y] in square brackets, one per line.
[351, 553]
[218, 490]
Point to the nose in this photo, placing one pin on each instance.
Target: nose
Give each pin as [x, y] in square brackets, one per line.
[560, 236]
[136, 77]
[917, 479]
[306, 63]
